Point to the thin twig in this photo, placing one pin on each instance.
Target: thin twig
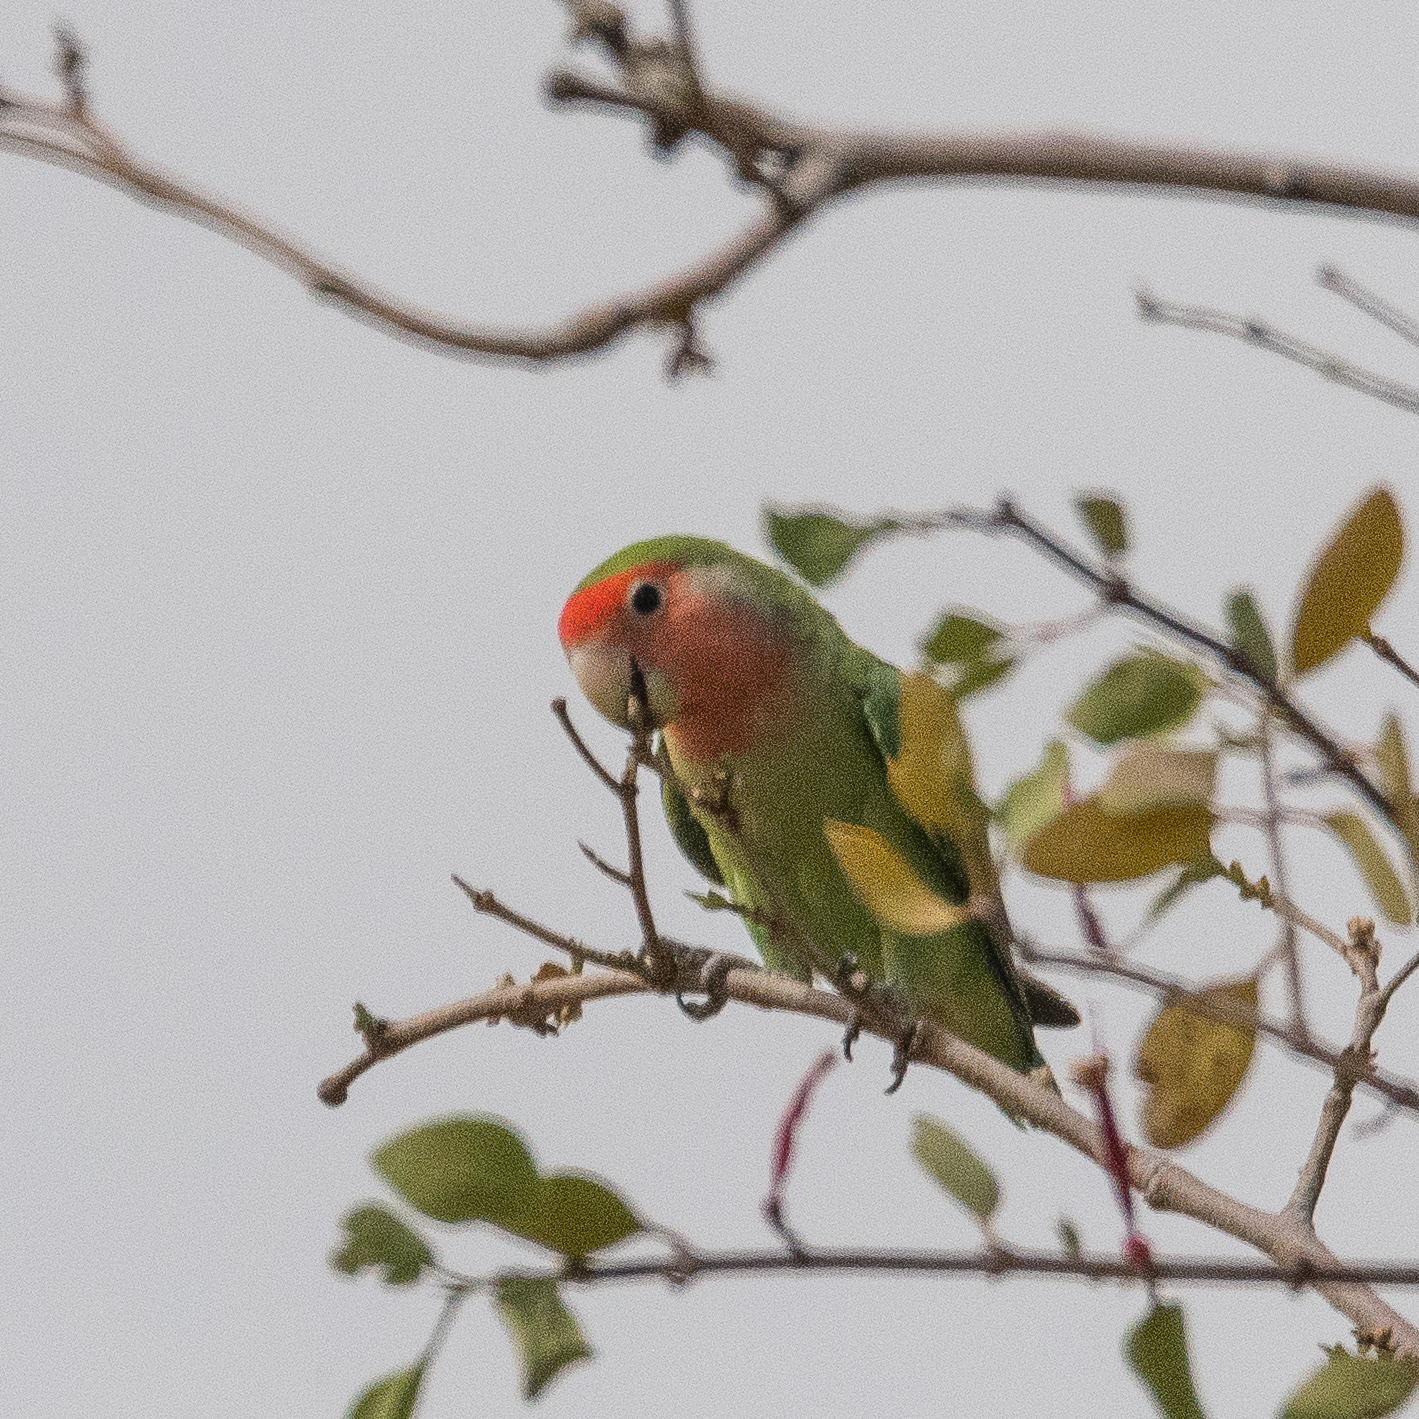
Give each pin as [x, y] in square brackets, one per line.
[801, 168]
[608, 779]
[1364, 956]
[1290, 947]
[1115, 590]
[1402, 1092]
[1162, 1183]
[622, 879]
[1373, 304]
[1277, 342]
[488, 904]
[686, 1265]
[1390, 655]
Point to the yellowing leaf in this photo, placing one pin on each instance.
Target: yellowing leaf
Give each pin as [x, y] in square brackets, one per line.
[1036, 799]
[1399, 785]
[1086, 844]
[1382, 880]
[1148, 776]
[885, 884]
[931, 775]
[1194, 1065]
[1348, 581]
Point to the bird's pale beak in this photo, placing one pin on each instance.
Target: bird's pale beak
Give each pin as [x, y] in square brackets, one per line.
[607, 676]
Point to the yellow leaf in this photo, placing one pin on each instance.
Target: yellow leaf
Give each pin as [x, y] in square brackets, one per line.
[886, 885]
[1382, 880]
[1399, 785]
[1086, 844]
[1193, 1065]
[1148, 776]
[1348, 581]
[931, 775]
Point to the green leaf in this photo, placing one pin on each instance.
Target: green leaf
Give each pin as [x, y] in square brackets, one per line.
[1349, 580]
[1068, 1235]
[1157, 1349]
[1085, 844]
[376, 1237]
[1138, 696]
[460, 1170]
[547, 1335]
[817, 544]
[575, 1215]
[1038, 798]
[1382, 880]
[1250, 638]
[393, 1397]
[980, 675]
[1147, 776]
[951, 1162]
[1193, 1064]
[1354, 1387]
[1194, 873]
[956, 639]
[1106, 521]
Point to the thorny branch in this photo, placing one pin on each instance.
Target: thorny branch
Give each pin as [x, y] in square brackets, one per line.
[800, 168]
[1163, 1184]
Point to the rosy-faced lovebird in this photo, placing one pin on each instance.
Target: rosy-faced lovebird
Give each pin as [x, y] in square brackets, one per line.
[776, 724]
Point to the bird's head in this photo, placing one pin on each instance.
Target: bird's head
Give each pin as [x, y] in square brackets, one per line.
[683, 624]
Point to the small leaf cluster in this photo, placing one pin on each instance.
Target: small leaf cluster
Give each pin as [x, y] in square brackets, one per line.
[478, 1169]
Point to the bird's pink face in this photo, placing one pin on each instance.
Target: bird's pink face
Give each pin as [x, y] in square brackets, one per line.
[619, 628]
[714, 669]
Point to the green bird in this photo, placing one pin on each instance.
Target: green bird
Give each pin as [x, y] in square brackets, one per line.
[791, 781]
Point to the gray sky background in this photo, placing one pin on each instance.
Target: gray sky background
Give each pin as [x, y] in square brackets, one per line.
[280, 596]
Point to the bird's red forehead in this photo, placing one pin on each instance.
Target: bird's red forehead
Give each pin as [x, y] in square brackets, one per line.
[588, 610]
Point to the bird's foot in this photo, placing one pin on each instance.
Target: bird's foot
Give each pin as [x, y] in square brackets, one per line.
[852, 983]
[713, 977]
[906, 1042]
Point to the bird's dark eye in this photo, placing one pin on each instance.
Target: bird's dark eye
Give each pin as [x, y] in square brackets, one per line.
[645, 598]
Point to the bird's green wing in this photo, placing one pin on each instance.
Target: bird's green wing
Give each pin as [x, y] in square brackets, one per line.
[688, 832]
[879, 686]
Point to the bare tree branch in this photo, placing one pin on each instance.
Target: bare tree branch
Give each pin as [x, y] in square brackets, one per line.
[1171, 989]
[800, 168]
[1277, 342]
[1273, 819]
[687, 1263]
[1164, 1185]
[1373, 304]
[1364, 957]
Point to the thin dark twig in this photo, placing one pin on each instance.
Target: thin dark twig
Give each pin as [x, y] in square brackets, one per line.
[1117, 591]
[601, 865]
[1390, 655]
[995, 1262]
[1373, 304]
[1402, 1092]
[559, 708]
[488, 904]
[684, 32]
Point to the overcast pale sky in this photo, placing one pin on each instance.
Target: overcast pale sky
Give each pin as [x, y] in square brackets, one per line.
[280, 596]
